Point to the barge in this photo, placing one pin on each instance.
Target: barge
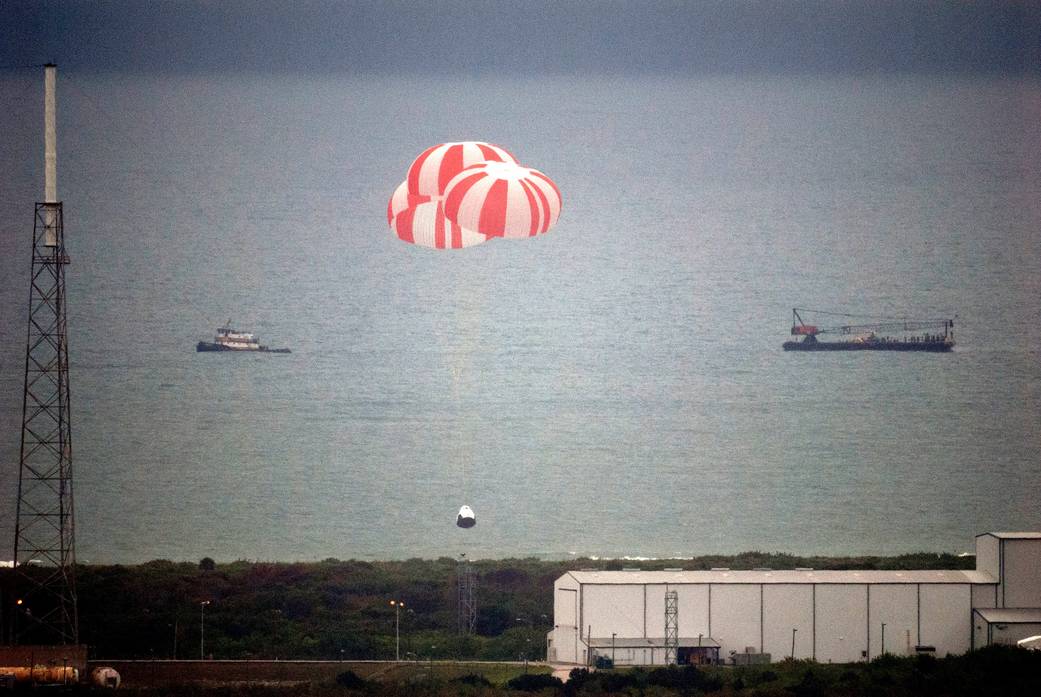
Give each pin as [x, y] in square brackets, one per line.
[886, 334]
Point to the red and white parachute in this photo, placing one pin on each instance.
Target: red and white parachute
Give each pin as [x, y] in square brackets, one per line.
[402, 199]
[424, 223]
[459, 195]
[434, 168]
[502, 199]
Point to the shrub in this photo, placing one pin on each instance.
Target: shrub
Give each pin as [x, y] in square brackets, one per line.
[351, 680]
[473, 679]
[533, 682]
[612, 682]
[810, 686]
[686, 678]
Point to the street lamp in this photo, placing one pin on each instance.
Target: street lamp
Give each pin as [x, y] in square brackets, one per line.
[612, 648]
[397, 605]
[202, 629]
[794, 630]
[883, 639]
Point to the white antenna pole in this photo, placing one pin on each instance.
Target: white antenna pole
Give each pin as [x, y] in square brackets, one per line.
[50, 150]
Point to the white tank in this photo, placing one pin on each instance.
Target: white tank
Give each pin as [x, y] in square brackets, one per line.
[466, 517]
[105, 677]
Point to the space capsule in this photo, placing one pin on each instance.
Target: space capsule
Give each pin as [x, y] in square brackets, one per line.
[466, 518]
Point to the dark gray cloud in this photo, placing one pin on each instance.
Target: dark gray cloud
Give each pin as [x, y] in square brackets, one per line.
[525, 36]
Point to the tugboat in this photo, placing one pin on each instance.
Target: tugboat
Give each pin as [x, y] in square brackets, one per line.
[229, 339]
[931, 335]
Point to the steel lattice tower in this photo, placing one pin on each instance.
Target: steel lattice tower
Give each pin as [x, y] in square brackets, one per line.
[467, 596]
[44, 545]
[672, 630]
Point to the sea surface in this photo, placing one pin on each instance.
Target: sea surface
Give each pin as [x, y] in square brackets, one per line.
[614, 388]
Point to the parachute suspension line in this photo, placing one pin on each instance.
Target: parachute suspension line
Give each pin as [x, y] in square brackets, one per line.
[470, 313]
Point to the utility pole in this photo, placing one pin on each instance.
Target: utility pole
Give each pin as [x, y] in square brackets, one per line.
[397, 605]
[202, 629]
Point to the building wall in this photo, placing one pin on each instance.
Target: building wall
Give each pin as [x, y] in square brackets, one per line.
[565, 602]
[564, 646]
[979, 631]
[984, 596]
[692, 612]
[612, 609]
[988, 550]
[841, 622]
[1022, 568]
[564, 638]
[835, 622]
[735, 617]
[654, 611]
[897, 606]
[946, 617]
[692, 616]
[787, 607]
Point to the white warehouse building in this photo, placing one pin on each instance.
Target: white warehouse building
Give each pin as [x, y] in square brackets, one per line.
[827, 616]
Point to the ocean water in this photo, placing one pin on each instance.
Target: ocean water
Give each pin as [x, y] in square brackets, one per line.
[615, 387]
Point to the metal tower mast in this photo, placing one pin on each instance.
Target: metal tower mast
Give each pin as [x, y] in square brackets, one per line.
[44, 544]
[467, 596]
[672, 630]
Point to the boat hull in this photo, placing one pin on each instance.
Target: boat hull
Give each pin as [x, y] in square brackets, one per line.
[926, 346]
[204, 346]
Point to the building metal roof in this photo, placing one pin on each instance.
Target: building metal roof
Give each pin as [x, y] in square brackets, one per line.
[1013, 535]
[1030, 615]
[779, 576]
[650, 643]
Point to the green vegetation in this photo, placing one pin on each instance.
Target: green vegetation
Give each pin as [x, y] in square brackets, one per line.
[996, 670]
[340, 609]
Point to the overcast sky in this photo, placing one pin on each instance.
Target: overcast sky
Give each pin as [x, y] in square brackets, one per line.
[525, 36]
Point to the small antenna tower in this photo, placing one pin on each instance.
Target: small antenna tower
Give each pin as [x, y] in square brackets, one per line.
[467, 596]
[44, 540]
[672, 630]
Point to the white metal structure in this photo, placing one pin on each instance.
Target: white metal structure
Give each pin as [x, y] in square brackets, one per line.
[50, 151]
[837, 616]
[1031, 642]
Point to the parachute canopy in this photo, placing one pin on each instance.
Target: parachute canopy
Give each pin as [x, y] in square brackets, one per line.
[501, 199]
[422, 221]
[461, 194]
[402, 199]
[434, 168]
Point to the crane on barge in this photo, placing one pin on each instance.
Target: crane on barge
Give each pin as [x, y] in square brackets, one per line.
[932, 335]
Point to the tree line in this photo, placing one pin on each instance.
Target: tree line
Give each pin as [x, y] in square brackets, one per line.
[336, 609]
